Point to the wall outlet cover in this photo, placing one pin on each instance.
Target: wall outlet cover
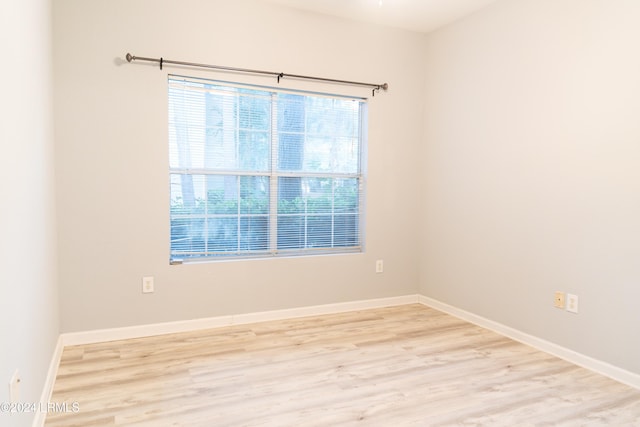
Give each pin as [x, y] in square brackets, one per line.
[14, 387]
[572, 303]
[147, 285]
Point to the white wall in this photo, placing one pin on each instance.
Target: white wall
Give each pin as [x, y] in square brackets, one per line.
[531, 176]
[111, 142]
[29, 324]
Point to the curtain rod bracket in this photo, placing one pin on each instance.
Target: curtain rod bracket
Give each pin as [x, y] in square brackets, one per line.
[280, 76]
[161, 61]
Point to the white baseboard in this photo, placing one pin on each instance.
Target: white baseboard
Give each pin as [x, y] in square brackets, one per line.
[103, 335]
[603, 368]
[114, 334]
[47, 389]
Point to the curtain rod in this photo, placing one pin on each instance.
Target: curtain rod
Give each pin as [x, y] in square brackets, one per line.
[375, 86]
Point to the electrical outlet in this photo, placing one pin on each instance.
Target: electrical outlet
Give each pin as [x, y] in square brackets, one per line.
[147, 285]
[559, 299]
[14, 387]
[379, 266]
[572, 303]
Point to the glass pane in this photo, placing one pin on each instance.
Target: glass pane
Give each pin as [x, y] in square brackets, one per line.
[332, 116]
[186, 236]
[253, 151]
[334, 155]
[317, 134]
[305, 195]
[254, 233]
[319, 195]
[319, 231]
[345, 230]
[346, 195]
[291, 110]
[254, 194]
[291, 151]
[187, 214]
[222, 234]
[222, 194]
[291, 232]
[218, 128]
[290, 195]
[210, 224]
[187, 194]
[254, 109]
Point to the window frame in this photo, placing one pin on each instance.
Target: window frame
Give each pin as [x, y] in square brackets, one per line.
[274, 175]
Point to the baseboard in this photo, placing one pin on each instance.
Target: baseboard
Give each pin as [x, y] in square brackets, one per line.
[47, 389]
[603, 368]
[103, 335]
[114, 334]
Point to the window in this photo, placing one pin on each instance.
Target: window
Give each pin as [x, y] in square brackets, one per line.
[262, 172]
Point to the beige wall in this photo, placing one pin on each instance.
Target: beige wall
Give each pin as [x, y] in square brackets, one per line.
[29, 323]
[531, 176]
[112, 156]
[527, 150]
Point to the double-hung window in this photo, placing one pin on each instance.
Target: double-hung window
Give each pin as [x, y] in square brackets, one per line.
[258, 172]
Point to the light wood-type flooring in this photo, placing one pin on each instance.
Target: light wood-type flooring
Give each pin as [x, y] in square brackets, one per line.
[408, 365]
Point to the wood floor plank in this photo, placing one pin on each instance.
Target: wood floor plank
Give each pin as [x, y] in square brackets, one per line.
[396, 366]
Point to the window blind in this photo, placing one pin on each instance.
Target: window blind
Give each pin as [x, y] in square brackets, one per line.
[258, 172]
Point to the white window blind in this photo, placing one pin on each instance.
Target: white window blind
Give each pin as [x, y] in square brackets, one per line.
[262, 172]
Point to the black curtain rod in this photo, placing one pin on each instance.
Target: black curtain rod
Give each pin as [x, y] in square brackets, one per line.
[375, 87]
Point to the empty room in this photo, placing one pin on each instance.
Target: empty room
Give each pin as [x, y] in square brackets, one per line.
[320, 213]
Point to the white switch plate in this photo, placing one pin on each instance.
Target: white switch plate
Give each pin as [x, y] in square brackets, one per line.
[147, 285]
[572, 303]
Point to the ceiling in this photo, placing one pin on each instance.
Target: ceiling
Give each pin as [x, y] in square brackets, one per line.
[415, 15]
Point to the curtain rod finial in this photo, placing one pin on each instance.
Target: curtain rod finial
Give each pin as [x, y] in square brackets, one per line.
[129, 57]
[384, 86]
